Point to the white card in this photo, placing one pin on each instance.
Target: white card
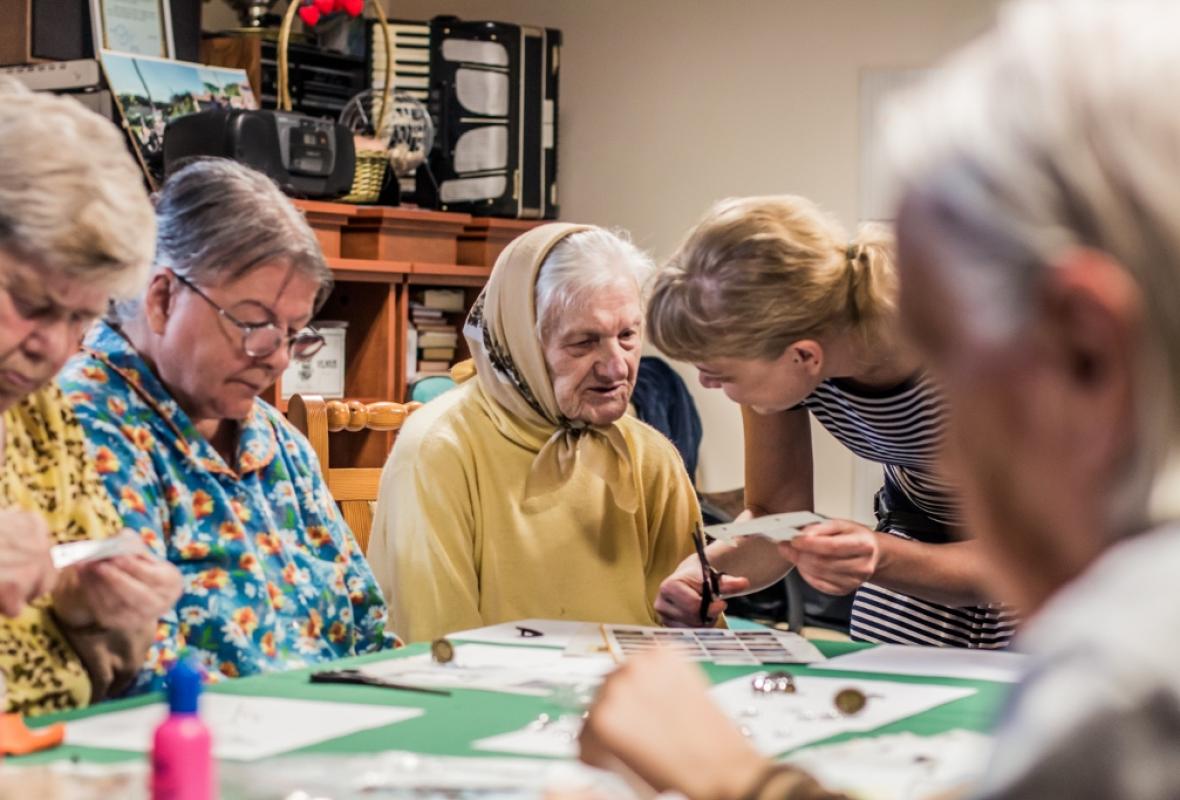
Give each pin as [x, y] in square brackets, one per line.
[70, 553]
[1003, 666]
[243, 728]
[777, 722]
[776, 527]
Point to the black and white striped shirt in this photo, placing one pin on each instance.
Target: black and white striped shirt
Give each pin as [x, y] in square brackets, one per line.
[902, 429]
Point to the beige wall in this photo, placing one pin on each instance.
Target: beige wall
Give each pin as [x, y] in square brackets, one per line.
[668, 105]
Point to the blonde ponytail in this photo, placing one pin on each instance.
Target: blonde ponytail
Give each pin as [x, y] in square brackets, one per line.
[872, 275]
[760, 273]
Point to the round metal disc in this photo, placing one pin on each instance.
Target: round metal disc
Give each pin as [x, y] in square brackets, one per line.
[442, 651]
[850, 701]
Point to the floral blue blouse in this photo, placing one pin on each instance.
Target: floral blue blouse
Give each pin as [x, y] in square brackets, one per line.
[273, 578]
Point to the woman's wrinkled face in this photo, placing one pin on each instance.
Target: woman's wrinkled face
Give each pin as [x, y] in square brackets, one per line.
[199, 355]
[592, 352]
[764, 385]
[43, 316]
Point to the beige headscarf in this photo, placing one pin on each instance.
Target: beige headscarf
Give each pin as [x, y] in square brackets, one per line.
[501, 332]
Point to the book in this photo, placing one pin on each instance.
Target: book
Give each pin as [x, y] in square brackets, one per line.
[434, 367]
[422, 312]
[435, 327]
[437, 339]
[411, 352]
[438, 353]
[442, 299]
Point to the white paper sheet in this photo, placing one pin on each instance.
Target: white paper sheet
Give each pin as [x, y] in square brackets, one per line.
[554, 632]
[776, 527]
[552, 737]
[941, 662]
[535, 671]
[774, 723]
[778, 722]
[899, 766]
[243, 728]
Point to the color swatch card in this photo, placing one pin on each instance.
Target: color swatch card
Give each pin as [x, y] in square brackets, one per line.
[776, 527]
[718, 645]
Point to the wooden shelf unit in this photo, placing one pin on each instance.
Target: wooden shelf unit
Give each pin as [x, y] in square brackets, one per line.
[378, 255]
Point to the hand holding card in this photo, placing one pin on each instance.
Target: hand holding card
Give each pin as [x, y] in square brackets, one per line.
[776, 527]
[118, 585]
[71, 553]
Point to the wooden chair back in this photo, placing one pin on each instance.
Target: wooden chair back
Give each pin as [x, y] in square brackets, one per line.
[354, 488]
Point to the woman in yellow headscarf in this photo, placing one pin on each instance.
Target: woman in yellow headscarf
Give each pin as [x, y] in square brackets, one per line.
[528, 492]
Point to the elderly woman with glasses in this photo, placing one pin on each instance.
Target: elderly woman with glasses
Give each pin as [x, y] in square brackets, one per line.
[73, 217]
[209, 475]
[528, 492]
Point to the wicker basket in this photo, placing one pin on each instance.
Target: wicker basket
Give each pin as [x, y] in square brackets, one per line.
[371, 164]
[369, 177]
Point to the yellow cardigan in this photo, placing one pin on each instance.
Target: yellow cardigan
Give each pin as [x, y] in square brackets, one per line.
[454, 546]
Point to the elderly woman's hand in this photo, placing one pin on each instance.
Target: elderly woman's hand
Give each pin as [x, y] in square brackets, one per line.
[26, 568]
[678, 603]
[653, 717]
[130, 591]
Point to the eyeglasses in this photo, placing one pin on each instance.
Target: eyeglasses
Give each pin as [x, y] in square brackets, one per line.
[261, 339]
[710, 577]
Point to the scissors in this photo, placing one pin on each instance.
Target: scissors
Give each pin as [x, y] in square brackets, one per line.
[710, 577]
[357, 677]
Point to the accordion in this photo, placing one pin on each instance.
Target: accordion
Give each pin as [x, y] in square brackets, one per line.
[493, 95]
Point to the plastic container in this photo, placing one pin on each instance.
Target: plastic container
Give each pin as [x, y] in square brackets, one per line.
[182, 748]
[323, 373]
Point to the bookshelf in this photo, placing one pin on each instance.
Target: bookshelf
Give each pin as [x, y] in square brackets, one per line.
[379, 256]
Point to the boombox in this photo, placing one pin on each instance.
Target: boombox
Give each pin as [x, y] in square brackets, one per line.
[307, 157]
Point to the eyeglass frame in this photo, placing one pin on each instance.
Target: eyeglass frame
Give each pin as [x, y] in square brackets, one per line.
[248, 328]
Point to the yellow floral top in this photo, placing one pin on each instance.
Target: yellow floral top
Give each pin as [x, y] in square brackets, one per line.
[46, 470]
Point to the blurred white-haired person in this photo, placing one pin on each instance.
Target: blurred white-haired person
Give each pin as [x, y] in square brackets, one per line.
[76, 229]
[1039, 242]
[528, 491]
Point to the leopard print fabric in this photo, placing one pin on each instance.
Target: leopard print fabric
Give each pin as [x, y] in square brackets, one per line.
[46, 469]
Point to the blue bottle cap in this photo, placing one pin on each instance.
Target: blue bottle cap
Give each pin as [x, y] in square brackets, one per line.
[184, 687]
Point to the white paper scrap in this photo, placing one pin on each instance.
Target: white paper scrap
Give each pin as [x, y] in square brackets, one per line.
[776, 527]
[777, 722]
[942, 662]
[243, 728]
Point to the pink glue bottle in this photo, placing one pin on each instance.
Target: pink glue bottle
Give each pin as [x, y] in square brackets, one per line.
[182, 749]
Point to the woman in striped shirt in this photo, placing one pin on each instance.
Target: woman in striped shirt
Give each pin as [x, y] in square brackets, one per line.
[776, 307]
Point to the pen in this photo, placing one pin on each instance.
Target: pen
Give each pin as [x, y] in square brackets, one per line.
[356, 677]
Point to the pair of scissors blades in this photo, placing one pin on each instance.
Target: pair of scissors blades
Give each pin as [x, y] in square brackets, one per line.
[355, 676]
[710, 577]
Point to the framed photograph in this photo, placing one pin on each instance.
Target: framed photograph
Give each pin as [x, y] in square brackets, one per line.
[150, 92]
[138, 27]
